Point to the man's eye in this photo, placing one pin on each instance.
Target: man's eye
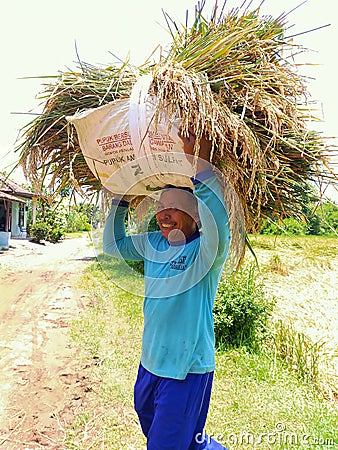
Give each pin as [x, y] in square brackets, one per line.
[163, 208]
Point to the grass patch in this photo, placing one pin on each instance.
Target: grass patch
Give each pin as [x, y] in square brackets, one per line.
[309, 248]
[258, 402]
[109, 335]
[299, 352]
[76, 234]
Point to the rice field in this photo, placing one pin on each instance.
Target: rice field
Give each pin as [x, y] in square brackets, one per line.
[283, 412]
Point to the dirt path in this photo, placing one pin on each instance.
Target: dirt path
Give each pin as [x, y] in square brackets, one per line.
[41, 383]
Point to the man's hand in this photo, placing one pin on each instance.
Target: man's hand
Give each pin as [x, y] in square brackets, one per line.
[189, 143]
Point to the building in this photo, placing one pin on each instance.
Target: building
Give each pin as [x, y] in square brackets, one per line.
[13, 210]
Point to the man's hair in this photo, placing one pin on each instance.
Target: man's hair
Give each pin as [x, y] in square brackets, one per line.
[183, 188]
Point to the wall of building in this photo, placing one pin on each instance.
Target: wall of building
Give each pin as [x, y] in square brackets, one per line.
[15, 230]
[18, 219]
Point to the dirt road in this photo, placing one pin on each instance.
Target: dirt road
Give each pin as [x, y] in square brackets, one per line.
[41, 383]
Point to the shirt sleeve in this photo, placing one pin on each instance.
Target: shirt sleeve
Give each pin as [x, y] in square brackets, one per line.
[214, 217]
[115, 241]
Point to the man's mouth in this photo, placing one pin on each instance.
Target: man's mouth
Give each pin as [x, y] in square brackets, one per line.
[167, 225]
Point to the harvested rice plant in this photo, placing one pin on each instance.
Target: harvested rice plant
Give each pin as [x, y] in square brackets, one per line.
[231, 77]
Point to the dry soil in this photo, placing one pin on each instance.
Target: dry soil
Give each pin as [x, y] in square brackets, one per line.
[42, 383]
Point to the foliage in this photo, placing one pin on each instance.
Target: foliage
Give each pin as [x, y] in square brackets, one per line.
[241, 311]
[328, 218]
[77, 221]
[56, 234]
[317, 221]
[82, 217]
[287, 226]
[42, 231]
[39, 232]
[60, 219]
[50, 222]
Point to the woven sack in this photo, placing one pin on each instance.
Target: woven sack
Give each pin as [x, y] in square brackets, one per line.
[127, 150]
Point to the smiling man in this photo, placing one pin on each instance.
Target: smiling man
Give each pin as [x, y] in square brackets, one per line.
[177, 213]
[182, 266]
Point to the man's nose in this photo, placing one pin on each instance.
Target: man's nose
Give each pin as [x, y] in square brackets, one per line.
[163, 213]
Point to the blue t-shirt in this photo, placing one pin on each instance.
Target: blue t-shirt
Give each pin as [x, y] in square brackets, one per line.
[181, 280]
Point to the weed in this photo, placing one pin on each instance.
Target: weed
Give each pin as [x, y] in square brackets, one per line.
[297, 350]
[276, 265]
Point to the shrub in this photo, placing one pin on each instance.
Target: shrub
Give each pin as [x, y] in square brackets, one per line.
[56, 235]
[77, 221]
[39, 232]
[241, 311]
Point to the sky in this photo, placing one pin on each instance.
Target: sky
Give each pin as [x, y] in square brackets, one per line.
[40, 37]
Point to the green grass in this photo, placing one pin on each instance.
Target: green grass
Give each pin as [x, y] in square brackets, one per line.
[109, 335]
[307, 250]
[257, 401]
[255, 394]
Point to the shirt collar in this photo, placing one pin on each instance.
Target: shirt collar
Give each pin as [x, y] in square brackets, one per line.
[185, 241]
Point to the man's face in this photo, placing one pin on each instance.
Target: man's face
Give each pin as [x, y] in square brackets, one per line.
[176, 214]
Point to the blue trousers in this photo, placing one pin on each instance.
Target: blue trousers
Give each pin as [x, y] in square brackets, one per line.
[172, 413]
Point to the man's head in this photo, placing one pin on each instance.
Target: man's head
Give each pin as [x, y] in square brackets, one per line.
[177, 213]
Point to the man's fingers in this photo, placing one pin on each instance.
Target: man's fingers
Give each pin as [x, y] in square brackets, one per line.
[190, 138]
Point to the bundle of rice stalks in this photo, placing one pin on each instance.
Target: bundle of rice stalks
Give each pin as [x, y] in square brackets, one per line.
[229, 78]
[50, 154]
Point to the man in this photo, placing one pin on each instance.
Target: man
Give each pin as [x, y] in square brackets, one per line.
[182, 266]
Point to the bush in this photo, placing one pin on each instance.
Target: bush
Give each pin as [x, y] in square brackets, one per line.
[39, 232]
[289, 226]
[56, 235]
[42, 231]
[241, 311]
[77, 221]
